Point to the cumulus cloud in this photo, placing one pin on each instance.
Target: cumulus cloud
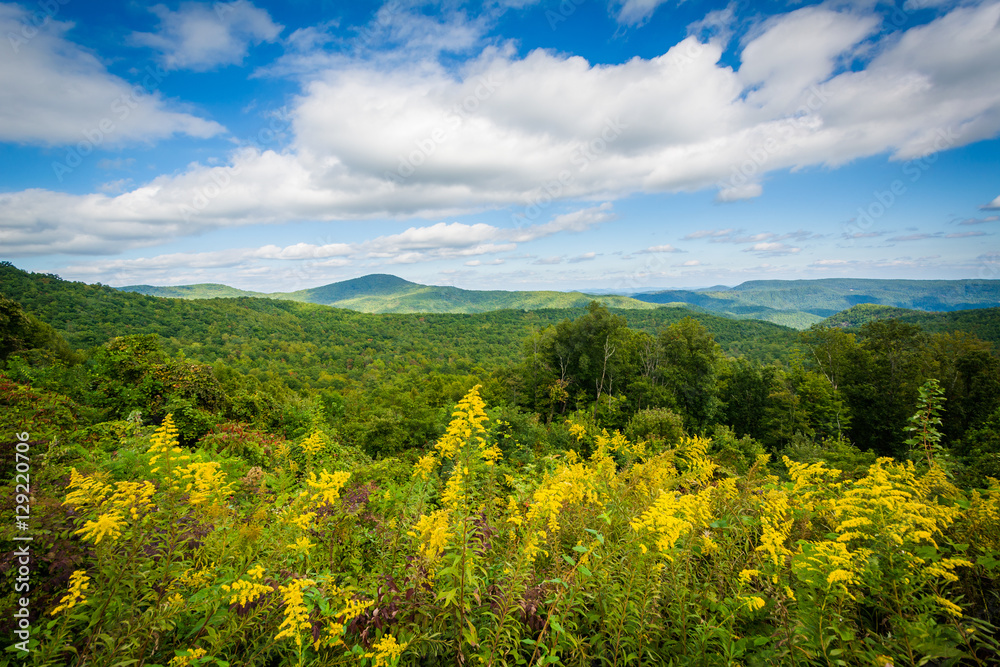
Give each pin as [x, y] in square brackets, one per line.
[658, 249]
[442, 240]
[56, 93]
[418, 139]
[739, 192]
[772, 249]
[202, 37]
[637, 12]
[992, 206]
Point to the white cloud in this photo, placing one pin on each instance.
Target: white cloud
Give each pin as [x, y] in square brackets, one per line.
[201, 37]
[992, 206]
[57, 93]
[772, 249]
[637, 12]
[658, 249]
[739, 192]
[414, 138]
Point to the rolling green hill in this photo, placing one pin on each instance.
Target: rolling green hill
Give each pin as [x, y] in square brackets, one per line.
[800, 303]
[89, 315]
[200, 291]
[381, 293]
[983, 323]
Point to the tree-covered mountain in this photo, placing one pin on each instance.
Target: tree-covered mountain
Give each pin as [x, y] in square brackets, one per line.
[382, 293]
[983, 323]
[801, 303]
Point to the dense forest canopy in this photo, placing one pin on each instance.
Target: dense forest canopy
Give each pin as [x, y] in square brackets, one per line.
[694, 471]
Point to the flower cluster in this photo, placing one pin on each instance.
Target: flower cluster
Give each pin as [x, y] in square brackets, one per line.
[78, 583]
[296, 619]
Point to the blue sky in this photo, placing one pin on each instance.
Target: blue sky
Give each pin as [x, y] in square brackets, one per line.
[509, 144]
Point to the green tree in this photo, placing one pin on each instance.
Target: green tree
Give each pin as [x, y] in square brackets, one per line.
[690, 368]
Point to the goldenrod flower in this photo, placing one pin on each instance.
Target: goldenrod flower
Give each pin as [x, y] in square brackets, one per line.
[106, 525]
[163, 446]
[86, 490]
[432, 530]
[78, 583]
[425, 466]
[245, 592]
[466, 425]
[302, 545]
[314, 444]
[187, 658]
[296, 613]
[327, 485]
[303, 520]
[386, 651]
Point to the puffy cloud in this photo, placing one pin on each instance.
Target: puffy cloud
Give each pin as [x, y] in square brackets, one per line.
[637, 12]
[56, 93]
[201, 37]
[414, 138]
[772, 249]
[992, 206]
[658, 249]
[739, 192]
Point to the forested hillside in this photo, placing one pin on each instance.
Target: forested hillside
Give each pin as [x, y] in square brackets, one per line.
[983, 323]
[253, 481]
[801, 303]
[380, 293]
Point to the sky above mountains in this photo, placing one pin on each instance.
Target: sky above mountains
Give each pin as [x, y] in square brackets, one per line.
[507, 144]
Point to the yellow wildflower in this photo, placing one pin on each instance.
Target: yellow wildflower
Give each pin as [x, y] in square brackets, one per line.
[466, 425]
[327, 485]
[163, 447]
[245, 592]
[314, 444]
[302, 545]
[949, 606]
[386, 651]
[433, 533]
[106, 525]
[78, 583]
[186, 658]
[86, 490]
[296, 613]
[425, 466]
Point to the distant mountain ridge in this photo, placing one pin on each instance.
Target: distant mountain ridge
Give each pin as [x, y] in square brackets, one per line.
[800, 303]
[794, 303]
[384, 293]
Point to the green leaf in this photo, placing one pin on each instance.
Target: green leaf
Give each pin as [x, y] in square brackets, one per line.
[569, 559]
[584, 571]
[580, 549]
